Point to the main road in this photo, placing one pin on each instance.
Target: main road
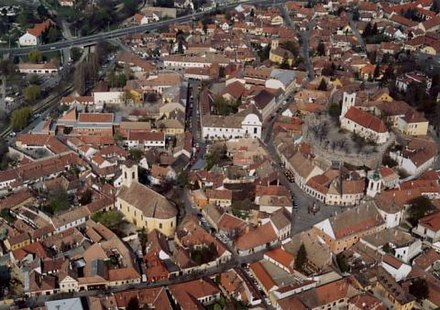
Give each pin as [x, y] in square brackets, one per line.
[92, 39]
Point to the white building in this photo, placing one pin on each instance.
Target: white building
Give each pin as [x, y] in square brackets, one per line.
[396, 268]
[144, 140]
[362, 123]
[46, 68]
[245, 124]
[429, 228]
[108, 97]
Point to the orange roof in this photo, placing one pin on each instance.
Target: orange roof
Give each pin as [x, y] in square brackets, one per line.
[95, 117]
[281, 256]
[262, 275]
[431, 222]
[38, 29]
[261, 235]
[366, 120]
[392, 261]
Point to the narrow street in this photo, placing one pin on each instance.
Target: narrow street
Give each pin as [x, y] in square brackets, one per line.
[304, 36]
[356, 32]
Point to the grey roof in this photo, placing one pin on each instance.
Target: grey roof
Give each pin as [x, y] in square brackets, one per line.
[65, 304]
[284, 76]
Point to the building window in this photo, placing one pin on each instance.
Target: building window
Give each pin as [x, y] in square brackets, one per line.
[160, 225]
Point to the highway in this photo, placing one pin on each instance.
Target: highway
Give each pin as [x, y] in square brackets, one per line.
[92, 39]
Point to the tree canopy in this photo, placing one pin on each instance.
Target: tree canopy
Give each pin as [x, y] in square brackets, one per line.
[32, 93]
[301, 258]
[110, 219]
[20, 118]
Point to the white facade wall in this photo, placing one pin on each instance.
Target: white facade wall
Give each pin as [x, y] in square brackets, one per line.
[110, 97]
[28, 40]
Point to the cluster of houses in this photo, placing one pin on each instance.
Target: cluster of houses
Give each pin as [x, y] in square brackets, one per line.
[117, 153]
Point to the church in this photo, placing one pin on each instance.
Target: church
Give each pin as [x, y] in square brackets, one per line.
[362, 123]
[144, 207]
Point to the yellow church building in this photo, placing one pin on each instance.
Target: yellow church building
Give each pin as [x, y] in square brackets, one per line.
[144, 207]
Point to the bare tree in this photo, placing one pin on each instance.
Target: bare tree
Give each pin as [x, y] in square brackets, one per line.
[79, 79]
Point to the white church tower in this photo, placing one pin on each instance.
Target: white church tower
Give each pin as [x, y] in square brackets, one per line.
[374, 184]
[348, 101]
[129, 173]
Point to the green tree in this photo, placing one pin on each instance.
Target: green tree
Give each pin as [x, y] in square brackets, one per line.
[58, 200]
[53, 35]
[130, 7]
[32, 93]
[26, 17]
[35, 79]
[301, 258]
[35, 56]
[291, 46]
[334, 110]
[75, 53]
[342, 263]
[418, 208]
[419, 289]
[42, 12]
[110, 219]
[135, 154]
[322, 85]
[20, 118]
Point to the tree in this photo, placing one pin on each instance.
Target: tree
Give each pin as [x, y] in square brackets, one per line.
[376, 73]
[419, 207]
[53, 35]
[342, 263]
[35, 56]
[42, 12]
[334, 110]
[20, 118]
[291, 46]
[180, 49]
[35, 79]
[321, 49]
[135, 154]
[79, 79]
[58, 200]
[221, 72]
[285, 63]
[110, 219]
[86, 197]
[133, 304]
[264, 53]
[367, 31]
[419, 289]
[32, 93]
[75, 53]
[301, 258]
[130, 7]
[7, 67]
[322, 85]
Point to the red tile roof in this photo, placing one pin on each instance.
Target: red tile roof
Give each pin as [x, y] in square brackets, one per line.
[366, 120]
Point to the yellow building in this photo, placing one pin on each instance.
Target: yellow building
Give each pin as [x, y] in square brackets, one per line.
[278, 54]
[391, 290]
[414, 124]
[144, 207]
[17, 242]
